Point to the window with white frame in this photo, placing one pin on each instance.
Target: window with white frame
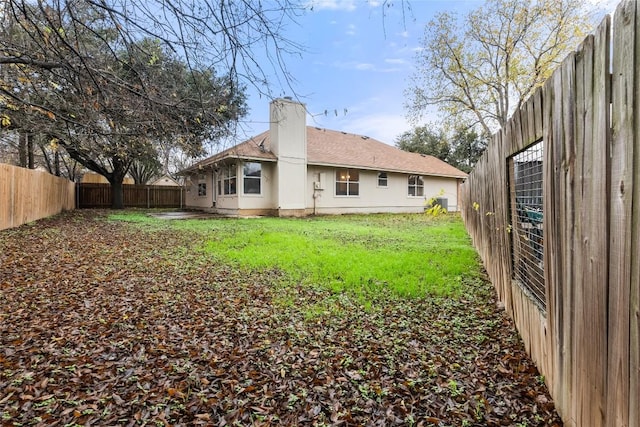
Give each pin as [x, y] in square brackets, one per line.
[382, 179]
[227, 180]
[251, 177]
[347, 182]
[416, 186]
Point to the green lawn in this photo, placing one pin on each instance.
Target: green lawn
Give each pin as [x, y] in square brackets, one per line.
[410, 255]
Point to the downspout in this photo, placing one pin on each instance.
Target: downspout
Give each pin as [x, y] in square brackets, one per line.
[213, 186]
[458, 192]
[315, 194]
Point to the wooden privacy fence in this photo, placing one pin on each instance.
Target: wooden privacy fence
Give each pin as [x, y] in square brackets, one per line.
[27, 195]
[580, 317]
[134, 196]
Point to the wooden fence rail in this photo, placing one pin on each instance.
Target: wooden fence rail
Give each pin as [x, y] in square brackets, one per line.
[134, 196]
[27, 195]
[585, 337]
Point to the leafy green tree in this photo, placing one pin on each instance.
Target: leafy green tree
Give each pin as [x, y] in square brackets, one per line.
[479, 68]
[139, 93]
[106, 80]
[460, 148]
[466, 148]
[143, 170]
[424, 140]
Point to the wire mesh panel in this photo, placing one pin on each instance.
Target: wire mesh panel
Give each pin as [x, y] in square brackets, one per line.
[526, 188]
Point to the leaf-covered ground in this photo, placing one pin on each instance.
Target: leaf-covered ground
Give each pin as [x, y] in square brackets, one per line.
[104, 323]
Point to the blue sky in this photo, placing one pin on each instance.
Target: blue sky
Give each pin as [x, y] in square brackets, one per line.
[357, 65]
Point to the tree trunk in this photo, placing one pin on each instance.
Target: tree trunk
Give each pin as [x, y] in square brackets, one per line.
[22, 150]
[117, 199]
[115, 179]
[56, 162]
[30, 162]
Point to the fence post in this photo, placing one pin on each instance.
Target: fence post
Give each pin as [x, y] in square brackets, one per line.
[148, 202]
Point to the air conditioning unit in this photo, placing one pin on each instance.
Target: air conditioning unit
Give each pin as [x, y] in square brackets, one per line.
[443, 202]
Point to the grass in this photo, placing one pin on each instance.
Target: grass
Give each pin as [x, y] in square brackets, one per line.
[213, 321]
[410, 255]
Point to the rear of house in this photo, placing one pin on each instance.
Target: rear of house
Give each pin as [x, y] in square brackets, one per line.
[296, 170]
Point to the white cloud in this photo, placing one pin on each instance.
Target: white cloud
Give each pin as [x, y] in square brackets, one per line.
[351, 30]
[397, 61]
[364, 66]
[404, 34]
[352, 65]
[384, 127]
[361, 119]
[346, 5]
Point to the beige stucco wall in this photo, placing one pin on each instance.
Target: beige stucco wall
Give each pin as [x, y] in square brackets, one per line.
[372, 198]
[229, 204]
[443, 187]
[393, 198]
[192, 200]
[265, 200]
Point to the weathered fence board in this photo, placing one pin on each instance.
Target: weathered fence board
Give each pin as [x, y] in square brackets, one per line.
[585, 338]
[591, 237]
[633, 176]
[27, 195]
[134, 196]
[624, 28]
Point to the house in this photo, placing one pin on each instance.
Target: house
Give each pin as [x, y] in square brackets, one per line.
[295, 170]
[165, 180]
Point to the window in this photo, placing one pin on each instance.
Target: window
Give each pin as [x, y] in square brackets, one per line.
[227, 180]
[416, 186]
[382, 179]
[527, 214]
[347, 182]
[252, 173]
[202, 189]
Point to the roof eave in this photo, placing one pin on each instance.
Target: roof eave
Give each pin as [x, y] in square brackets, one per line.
[403, 171]
[204, 164]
